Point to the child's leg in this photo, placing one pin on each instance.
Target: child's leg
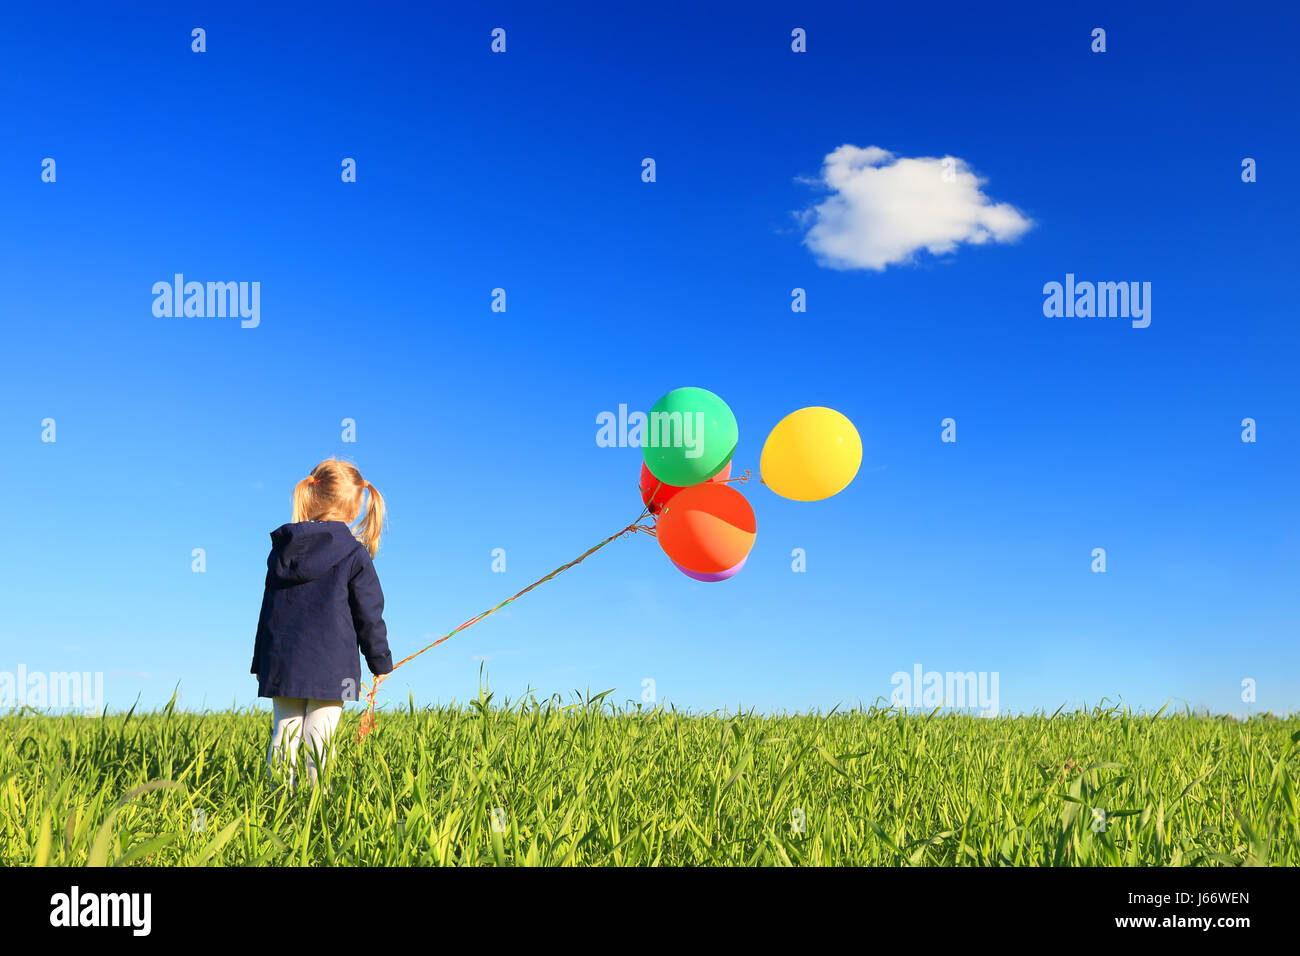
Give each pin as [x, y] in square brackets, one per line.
[287, 718]
[321, 720]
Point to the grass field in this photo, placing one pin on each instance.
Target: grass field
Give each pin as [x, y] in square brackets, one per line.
[593, 784]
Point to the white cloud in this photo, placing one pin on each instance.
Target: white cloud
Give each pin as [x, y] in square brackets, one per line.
[885, 209]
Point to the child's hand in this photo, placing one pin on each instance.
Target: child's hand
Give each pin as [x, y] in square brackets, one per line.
[376, 680]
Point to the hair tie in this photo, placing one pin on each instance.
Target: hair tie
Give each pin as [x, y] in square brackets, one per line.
[311, 479]
[365, 485]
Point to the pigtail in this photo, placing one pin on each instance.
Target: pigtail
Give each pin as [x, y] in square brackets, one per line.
[303, 492]
[372, 522]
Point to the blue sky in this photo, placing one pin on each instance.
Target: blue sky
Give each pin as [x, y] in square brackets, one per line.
[522, 171]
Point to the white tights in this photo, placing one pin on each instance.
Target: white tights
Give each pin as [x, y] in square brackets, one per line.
[297, 719]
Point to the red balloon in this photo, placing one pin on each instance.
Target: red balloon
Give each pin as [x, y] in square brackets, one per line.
[655, 494]
[707, 528]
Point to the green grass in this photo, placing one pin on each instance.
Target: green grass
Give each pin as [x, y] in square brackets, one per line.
[592, 784]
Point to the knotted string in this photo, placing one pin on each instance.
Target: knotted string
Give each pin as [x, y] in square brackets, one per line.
[742, 479]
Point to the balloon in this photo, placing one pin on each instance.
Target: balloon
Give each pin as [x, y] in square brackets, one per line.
[655, 493]
[707, 528]
[811, 454]
[689, 436]
[709, 578]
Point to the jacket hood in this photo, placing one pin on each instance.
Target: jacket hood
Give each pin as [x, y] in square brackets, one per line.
[308, 550]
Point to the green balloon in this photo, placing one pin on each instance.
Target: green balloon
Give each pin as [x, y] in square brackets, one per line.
[689, 437]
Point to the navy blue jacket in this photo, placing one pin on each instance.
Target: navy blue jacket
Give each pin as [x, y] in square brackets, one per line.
[322, 602]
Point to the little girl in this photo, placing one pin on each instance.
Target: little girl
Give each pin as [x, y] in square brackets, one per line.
[322, 601]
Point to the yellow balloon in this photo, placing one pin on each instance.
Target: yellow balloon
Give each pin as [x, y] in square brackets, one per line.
[811, 454]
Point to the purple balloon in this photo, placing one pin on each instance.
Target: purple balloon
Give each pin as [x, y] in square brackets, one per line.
[710, 576]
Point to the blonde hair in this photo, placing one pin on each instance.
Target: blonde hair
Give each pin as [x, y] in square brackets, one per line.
[335, 491]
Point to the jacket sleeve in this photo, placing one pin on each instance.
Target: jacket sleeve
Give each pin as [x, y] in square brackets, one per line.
[261, 622]
[366, 599]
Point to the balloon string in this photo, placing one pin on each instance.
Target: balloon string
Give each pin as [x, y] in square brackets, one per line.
[368, 718]
[743, 478]
[724, 481]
